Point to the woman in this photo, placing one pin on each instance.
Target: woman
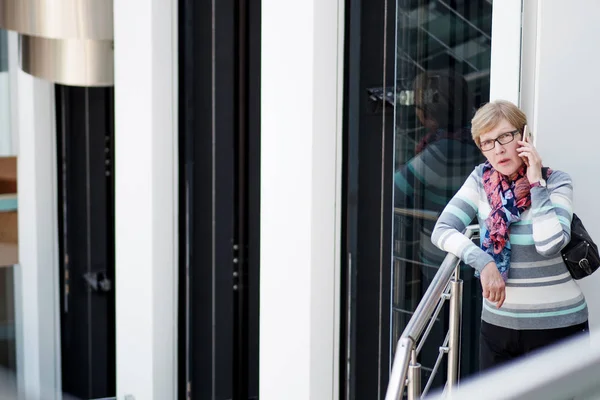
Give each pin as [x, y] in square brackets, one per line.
[530, 299]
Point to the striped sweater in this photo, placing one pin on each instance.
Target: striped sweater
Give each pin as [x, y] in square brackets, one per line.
[540, 293]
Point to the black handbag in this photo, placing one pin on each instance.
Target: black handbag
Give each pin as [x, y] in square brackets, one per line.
[581, 254]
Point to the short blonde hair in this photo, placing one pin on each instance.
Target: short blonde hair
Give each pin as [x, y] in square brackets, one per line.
[491, 114]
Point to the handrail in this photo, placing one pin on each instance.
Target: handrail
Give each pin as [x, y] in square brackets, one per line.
[406, 354]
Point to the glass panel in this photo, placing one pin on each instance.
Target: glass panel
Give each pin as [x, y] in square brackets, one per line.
[442, 76]
[7, 324]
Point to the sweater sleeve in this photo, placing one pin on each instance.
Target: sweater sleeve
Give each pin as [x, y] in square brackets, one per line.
[457, 215]
[552, 213]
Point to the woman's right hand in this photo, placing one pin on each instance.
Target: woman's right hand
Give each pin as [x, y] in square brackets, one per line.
[494, 288]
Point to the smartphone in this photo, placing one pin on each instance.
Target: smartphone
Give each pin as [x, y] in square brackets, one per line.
[526, 134]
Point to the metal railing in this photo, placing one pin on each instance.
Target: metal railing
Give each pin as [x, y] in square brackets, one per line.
[406, 370]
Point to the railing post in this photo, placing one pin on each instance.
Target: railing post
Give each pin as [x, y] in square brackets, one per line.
[414, 378]
[398, 376]
[456, 293]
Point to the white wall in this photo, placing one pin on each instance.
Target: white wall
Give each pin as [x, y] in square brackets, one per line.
[566, 107]
[529, 60]
[6, 146]
[146, 197]
[36, 276]
[302, 69]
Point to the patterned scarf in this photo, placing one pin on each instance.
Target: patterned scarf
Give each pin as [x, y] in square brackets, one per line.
[507, 200]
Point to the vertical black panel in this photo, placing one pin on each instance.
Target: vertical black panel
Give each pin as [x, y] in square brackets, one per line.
[240, 241]
[367, 222]
[349, 198]
[219, 188]
[253, 239]
[207, 121]
[86, 240]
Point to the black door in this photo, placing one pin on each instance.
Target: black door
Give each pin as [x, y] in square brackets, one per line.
[219, 143]
[86, 240]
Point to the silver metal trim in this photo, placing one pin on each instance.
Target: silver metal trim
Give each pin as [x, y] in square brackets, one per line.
[59, 19]
[68, 62]
[63, 41]
[456, 292]
[400, 368]
[414, 378]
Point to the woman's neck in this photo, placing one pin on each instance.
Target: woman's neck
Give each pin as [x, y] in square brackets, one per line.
[515, 174]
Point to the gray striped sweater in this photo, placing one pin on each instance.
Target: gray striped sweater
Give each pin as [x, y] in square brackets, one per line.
[540, 293]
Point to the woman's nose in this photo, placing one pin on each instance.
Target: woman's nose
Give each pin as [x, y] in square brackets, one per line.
[498, 148]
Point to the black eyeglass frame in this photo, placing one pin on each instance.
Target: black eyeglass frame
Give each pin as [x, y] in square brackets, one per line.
[512, 133]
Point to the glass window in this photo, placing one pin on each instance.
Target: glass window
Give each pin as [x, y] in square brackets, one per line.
[442, 71]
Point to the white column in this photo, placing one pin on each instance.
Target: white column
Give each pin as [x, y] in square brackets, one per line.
[36, 276]
[302, 69]
[505, 69]
[565, 103]
[529, 60]
[146, 197]
[6, 146]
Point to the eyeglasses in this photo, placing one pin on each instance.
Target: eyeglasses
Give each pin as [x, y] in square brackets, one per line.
[505, 138]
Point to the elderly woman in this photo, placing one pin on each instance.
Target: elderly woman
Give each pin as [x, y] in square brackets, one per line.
[530, 299]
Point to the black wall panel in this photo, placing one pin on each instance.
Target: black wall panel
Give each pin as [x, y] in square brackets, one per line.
[219, 172]
[85, 131]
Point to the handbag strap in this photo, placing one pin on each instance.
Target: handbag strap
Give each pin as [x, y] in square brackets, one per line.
[545, 173]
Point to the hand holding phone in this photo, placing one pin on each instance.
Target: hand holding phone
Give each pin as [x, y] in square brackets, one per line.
[526, 134]
[526, 138]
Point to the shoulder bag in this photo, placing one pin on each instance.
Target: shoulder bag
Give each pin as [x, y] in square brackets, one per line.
[581, 254]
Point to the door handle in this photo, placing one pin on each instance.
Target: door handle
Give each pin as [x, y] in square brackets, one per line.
[98, 281]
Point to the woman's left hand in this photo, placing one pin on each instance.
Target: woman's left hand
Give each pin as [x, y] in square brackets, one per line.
[532, 159]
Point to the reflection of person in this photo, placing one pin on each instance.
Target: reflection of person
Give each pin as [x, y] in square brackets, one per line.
[444, 156]
[530, 299]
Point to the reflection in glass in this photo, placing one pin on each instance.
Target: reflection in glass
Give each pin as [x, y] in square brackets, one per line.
[7, 320]
[442, 77]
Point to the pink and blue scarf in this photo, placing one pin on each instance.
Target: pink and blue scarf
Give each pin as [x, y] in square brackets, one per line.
[508, 199]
